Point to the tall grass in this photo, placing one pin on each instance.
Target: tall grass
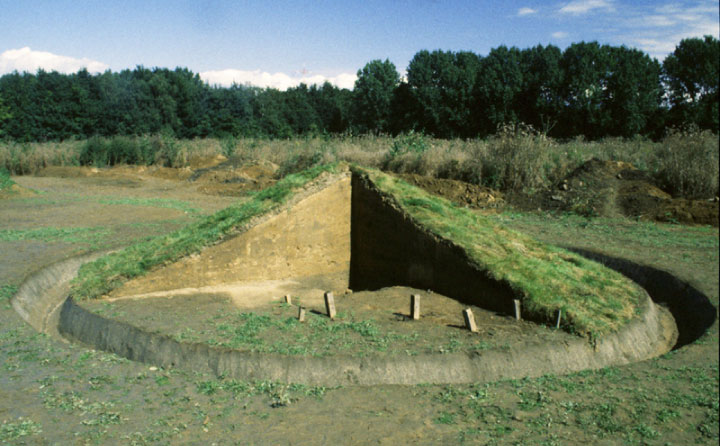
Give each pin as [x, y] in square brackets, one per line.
[688, 163]
[516, 158]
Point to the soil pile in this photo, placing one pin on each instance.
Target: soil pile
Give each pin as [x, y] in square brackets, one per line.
[15, 191]
[615, 188]
[234, 178]
[459, 192]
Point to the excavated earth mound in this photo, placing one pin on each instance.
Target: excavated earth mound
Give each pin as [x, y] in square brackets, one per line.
[343, 228]
[616, 188]
[464, 194]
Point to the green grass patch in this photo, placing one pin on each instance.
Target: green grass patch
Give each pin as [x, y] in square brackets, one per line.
[650, 234]
[7, 292]
[594, 300]
[5, 181]
[99, 277]
[68, 235]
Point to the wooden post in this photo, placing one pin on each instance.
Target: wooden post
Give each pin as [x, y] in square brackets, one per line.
[469, 320]
[301, 314]
[288, 299]
[517, 309]
[557, 325]
[415, 307]
[330, 305]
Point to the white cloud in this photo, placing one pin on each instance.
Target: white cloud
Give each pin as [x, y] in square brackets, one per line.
[578, 7]
[660, 32]
[26, 59]
[281, 81]
[526, 11]
[559, 34]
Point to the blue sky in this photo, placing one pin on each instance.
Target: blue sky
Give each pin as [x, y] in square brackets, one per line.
[280, 43]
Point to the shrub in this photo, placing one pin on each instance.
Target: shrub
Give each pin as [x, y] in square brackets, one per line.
[102, 152]
[688, 163]
[517, 159]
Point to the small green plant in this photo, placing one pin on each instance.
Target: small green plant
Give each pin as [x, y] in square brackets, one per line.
[445, 418]
[411, 142]
[7, 292]
[229, 145]
[19, 429]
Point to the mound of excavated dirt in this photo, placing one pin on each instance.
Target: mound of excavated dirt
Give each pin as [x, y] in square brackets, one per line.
[230, 178]
[616, 188]
[464, 194]
[15, 191]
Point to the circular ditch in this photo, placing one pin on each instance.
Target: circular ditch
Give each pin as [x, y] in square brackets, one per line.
[42, 301]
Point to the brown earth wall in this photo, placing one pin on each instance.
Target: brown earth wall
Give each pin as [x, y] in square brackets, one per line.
[307, 238]
[388, 248]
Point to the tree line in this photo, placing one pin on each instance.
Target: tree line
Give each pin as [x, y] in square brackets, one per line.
[589, 90]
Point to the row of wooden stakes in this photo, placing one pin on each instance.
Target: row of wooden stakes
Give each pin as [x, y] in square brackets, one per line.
[414, 310]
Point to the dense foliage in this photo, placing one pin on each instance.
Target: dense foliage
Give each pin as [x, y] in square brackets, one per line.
[588, 90]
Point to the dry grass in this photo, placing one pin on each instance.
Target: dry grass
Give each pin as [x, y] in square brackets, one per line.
[516, 158]
[688, 163]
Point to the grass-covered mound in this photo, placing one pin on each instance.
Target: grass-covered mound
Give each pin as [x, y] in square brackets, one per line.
[109, 272]
[594, 299]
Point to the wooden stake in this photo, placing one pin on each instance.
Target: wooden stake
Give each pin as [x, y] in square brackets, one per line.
[517, 309]
[469, 320]
[415, 307]
[288, 299]
[557, 325]
[301, 314]
[330, 305]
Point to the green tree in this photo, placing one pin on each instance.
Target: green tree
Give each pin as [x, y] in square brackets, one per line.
[441, 83]
[633, 93]
[498, 88]
[4, 116]
[332, 105]
[373, 94]
[691, 74]
[586, 69]
[538, 103]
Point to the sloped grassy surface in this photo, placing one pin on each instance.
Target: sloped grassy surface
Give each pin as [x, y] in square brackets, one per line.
[108, 272]
[594, 299]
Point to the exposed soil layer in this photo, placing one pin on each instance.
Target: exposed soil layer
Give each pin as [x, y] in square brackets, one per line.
[306, 238]
[234, 178]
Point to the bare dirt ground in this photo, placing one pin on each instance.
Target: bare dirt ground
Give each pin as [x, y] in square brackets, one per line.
[368, 322]
[52, 392]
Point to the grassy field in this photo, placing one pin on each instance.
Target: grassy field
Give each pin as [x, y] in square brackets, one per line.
[57, 393]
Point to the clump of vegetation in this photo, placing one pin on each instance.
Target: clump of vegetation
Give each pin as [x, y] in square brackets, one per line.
[5, 181]
[594, 300]
[518, 158]
[97, 278]
[688, 163]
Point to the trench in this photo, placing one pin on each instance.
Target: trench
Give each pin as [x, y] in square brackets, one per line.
[367, 244]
